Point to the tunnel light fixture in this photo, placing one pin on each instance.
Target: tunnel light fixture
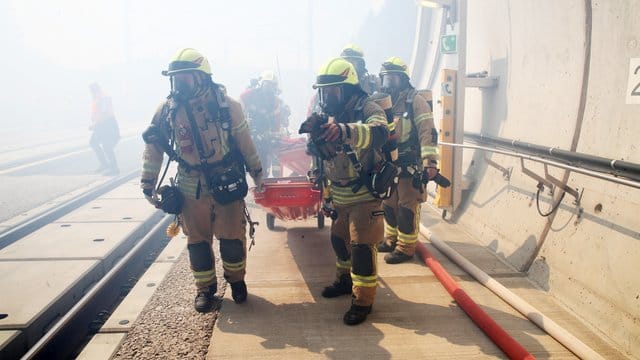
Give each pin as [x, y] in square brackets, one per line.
[448, 5]
[436, 3]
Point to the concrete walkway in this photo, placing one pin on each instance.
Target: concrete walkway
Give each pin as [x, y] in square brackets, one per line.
[413, 316]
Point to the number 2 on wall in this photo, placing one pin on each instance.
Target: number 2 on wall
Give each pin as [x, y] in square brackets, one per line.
[635, 91]
[633, 84]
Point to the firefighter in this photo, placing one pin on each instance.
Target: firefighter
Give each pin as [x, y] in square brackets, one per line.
[368, 82]
[209, 138]
[417, 161]
[268, 118]
[105, 132]
[354, 54]
[356, 128]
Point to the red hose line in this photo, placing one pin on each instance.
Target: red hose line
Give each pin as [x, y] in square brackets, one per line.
[504, 341]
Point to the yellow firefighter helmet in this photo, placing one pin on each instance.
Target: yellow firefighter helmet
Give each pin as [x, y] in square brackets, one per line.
[268, 75]
[188, 59]
[335, 72]
[352, 51]
[394, 65]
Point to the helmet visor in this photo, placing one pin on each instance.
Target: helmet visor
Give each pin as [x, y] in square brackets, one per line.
[392, 81]
[183, 85]
[326, 80]
[183, 65]
[180, 66]
[331, 99]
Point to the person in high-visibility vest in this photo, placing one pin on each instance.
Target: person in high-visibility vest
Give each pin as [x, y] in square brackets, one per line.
[105, 132]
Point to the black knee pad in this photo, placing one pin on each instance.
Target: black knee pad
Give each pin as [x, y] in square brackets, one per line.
[390, 216]
[340, 248]
[200, 256]
[231, 250]
[406, 224]
[362, 259]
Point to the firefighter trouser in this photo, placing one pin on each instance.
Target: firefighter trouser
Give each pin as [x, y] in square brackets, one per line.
[402, 216]
[353, 237]
[204, 218]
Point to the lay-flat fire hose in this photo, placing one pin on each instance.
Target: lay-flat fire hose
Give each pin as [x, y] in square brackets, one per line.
[542, 321]
[504, 341]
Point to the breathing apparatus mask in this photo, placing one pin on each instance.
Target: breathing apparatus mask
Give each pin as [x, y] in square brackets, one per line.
[334, 98]
[393, 84]
[188, 85]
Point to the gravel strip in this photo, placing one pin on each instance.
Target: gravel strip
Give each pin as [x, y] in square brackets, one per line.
[169, 327]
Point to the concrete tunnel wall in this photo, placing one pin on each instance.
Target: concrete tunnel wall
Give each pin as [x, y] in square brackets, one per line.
[563, 69]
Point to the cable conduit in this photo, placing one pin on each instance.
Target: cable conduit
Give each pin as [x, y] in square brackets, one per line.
[543, 322]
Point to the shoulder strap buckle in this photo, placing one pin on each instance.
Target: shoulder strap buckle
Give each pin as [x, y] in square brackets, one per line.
[357, 165]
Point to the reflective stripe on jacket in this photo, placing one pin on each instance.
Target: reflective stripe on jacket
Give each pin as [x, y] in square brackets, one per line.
[215, 141]
[365, 137]
[424, 145]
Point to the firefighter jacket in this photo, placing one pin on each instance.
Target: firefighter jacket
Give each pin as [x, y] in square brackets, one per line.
[364, 128]
[265, 112]
[216, 140]
[416, 133]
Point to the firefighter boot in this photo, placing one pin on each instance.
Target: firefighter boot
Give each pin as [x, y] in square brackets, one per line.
[206, 298]
[396, 257]
[356, 314]
[383, 247]
[239, 291]
[341, 286]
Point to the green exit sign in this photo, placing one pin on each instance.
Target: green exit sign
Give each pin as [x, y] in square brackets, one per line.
[448, 44]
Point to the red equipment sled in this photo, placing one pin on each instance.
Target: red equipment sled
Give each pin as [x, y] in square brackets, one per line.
[290, 198]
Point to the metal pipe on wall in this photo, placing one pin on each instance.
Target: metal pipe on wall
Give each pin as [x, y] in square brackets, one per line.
[591, 173]
[592, 162]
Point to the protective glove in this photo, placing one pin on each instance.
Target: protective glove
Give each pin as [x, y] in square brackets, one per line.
[333, 132]
[171, 199]
[431, 171]
[430, 168]
[151, 197]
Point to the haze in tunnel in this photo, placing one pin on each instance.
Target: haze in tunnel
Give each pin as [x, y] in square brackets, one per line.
[55, 49]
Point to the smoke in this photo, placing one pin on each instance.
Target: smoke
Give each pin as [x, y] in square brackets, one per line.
[54, 50]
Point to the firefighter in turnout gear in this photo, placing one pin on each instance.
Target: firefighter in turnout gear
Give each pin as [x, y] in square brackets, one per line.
[205, 132]
[417, 162]
[354, 54]
[268, 118]
[355, 128]
[368, 82]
